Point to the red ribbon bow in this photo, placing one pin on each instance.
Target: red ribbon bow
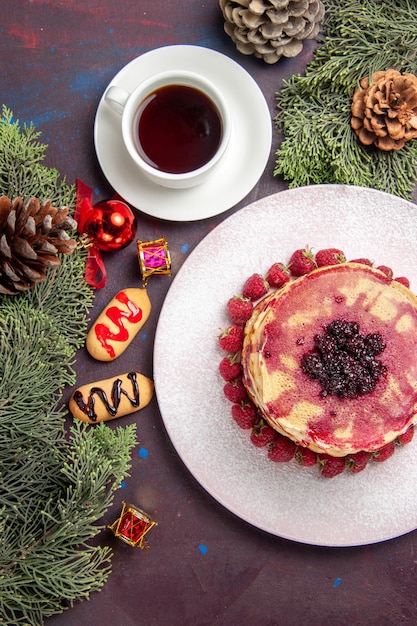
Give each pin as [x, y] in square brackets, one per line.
[95, 271]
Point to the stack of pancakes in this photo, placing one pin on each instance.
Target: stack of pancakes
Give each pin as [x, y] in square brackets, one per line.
[282, 329]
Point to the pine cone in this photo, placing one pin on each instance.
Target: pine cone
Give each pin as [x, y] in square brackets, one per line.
[270, 29]
[384, 110]
[31, 236]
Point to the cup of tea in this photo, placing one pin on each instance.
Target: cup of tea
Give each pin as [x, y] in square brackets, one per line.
[175, 125]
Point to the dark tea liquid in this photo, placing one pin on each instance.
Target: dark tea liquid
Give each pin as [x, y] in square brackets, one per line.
[179, 129]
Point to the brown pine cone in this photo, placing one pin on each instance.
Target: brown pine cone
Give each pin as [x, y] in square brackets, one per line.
[31, 236]
[384, 110]
[270, 29]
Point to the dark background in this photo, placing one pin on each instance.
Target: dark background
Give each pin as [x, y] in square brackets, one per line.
[205, 566]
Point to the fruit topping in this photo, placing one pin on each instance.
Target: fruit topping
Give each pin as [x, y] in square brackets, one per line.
[231, 339]
[262, 434]
[235, 391]
[277, 275]
[239, 310]
[330, 466]
[343, 360]
[403, 280]
[230, 367]
[384, 453]
[386, 270]
[362, 261]
[358, 461]
[282, 450]
[255, 287]
[406, 437]
[305, 456]
[244, 414]
[330, 256]
[302, 262]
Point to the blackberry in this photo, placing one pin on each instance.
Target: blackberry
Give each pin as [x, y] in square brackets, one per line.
[374, 342]
[343, 361]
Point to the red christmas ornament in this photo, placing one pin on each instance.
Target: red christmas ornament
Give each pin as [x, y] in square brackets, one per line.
[110, 225]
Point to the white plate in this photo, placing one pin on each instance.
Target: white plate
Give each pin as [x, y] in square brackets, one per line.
[283, 499]
[246, 156]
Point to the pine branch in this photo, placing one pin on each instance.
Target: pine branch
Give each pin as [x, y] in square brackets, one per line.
[55, 485]
[319, 145]
[21, 167]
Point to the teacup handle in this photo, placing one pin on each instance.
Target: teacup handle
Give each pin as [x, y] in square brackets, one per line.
[116, 98]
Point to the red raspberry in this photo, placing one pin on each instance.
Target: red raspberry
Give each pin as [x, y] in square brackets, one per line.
[305, 456]
[231, 339]
[262, 434]
[386, 270]
[362, 261]
[406, 437]
[384, 453]
[235, 391]
[230, 368]
[302, 262]
[255, 287]
[239, 310]
[358, 461]
[330, 256]
[244, 414]
[277, 275]
[331, 466]
[282, 450]
[403, 280]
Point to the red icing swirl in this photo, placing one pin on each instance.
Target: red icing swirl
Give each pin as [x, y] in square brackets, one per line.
[117, 315]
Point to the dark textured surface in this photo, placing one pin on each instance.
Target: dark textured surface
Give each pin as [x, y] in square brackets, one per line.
[205, 566]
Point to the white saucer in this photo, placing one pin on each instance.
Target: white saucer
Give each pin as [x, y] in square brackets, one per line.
[247, 153]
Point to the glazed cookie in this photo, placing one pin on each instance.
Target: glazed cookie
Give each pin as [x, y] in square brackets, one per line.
[118, 324]
[111, 398]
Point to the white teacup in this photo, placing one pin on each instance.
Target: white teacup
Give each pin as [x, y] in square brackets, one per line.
[175, 125]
